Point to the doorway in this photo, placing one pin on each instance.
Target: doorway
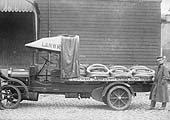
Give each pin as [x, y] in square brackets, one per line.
[16, 29]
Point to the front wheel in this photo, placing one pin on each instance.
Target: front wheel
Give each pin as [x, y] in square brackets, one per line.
[11, 96]
[119, 98]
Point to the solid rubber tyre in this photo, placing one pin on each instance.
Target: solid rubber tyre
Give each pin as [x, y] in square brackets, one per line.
[11, 96]
[119, 98]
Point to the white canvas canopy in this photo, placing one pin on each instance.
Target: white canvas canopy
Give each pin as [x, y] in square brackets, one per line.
[50, 43]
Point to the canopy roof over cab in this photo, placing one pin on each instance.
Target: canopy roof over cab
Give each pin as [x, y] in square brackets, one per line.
[16, 5]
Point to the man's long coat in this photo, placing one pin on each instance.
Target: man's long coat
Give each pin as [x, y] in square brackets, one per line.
[0, 89]
[159, 91]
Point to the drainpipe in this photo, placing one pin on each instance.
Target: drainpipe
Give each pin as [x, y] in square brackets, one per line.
[36, 25]
[36, 30]
[36, 19]
[36, 36]
[49, 26]
[49, 5]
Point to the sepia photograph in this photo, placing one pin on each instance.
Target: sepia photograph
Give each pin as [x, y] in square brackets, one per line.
[85, 60]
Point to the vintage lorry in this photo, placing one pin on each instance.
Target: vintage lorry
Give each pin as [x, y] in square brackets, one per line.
[60, 74]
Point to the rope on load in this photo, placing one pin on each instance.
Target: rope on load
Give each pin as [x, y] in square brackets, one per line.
[142, 71]
[120, 71]
[97, 70]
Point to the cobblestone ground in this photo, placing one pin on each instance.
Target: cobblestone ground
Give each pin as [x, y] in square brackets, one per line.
[56, 107]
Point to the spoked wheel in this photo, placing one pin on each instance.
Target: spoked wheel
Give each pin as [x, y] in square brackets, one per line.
[119, 98]
[11, 96]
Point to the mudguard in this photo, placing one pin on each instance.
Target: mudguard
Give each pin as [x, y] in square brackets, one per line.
[104, 92]
[96, 94]
[8, 79]
[21, 83]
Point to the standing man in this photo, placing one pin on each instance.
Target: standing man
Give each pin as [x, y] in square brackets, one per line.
[159, 91]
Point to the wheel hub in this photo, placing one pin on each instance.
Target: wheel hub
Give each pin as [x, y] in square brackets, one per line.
[119, 97]
[8, 96]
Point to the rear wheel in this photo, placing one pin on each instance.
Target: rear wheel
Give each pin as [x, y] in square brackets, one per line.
[11, 96]
[119, 98]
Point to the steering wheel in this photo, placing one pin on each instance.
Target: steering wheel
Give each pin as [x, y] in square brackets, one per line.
[46, 59]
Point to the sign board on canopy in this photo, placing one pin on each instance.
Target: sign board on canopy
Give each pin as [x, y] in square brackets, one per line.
[50, 43]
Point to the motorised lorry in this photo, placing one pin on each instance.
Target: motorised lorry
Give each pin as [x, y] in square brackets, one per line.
[60, 74]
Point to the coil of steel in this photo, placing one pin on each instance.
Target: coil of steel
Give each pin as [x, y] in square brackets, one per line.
[142, 71]
[120, 72]
[97, 70]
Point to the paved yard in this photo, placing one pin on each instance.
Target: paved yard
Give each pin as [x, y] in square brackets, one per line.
[56, 107]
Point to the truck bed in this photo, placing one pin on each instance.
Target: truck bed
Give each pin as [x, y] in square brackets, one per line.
[83, 79]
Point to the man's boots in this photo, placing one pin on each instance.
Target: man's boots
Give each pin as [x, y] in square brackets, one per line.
[152, 106]
[163, 106]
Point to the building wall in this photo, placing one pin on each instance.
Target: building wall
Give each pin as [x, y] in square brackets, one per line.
[124, 32]
[165, 37]
[165, 34]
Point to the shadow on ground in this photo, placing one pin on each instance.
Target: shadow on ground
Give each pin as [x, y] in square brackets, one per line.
[62, 105]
